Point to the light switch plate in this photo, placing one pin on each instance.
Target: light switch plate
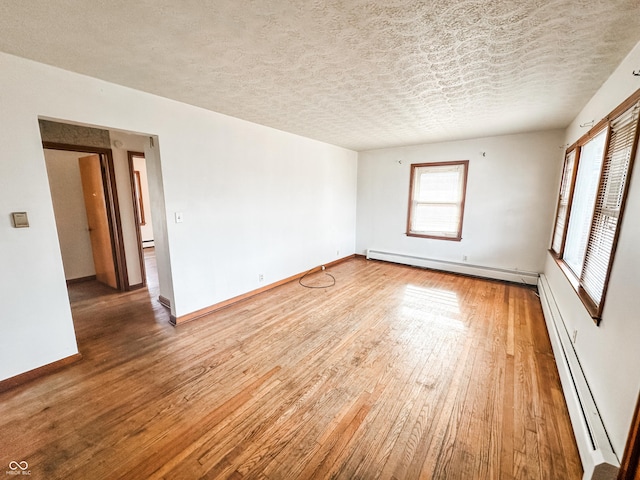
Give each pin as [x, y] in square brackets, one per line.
[20, 219]
[179, 217]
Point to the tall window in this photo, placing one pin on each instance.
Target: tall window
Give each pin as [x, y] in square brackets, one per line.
[584, 197]
[564, 202]
[591, 202]
[436, 200]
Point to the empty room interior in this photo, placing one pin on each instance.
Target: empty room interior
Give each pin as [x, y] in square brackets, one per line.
[349, 239]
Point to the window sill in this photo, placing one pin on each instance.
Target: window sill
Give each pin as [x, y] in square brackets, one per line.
[436, 237]
[589, 305]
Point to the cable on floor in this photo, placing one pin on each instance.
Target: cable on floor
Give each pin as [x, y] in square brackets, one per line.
[333, 280]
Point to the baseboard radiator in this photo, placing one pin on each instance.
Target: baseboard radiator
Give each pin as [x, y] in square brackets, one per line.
[518, 276]
[598, 459]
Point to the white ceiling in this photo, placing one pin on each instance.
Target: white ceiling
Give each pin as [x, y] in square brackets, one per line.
[362, 74]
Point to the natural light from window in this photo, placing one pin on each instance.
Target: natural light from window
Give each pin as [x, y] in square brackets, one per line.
[584, 198]
[433, 305]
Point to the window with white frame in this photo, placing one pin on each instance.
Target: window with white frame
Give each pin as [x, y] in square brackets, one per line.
[591, 202]
[436, 199]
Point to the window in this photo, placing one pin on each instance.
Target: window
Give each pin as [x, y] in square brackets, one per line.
[591, 202]
[584, 197]
[564, 202]
[436, 200]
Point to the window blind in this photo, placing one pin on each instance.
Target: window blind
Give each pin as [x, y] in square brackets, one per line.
[608, 204]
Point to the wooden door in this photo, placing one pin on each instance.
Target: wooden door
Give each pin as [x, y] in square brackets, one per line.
[98, 220]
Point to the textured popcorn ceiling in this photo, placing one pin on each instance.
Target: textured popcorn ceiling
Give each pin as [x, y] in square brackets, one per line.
[358, 73]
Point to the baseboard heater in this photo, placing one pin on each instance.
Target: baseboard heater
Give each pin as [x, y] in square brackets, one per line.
[518, 276]
[599, 462]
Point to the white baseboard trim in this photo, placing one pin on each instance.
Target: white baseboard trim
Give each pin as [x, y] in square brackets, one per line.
[516, 276]
[599, 461]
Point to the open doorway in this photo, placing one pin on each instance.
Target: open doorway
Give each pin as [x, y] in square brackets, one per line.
[83, 193]
[105, 153]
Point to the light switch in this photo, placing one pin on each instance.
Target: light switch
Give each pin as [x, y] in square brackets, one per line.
[178, 217]
[20, 219]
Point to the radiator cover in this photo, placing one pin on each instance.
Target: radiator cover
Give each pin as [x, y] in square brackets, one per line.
[517, 276]
[599, 462]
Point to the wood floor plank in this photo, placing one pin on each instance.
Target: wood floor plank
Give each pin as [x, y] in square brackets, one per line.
[393, 373]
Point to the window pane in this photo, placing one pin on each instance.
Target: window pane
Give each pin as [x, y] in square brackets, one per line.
[584, 197]
[439, 186]
[563, 203]
[436, 219]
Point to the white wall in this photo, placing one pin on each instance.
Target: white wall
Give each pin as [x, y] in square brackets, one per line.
[63, 172]
[610, 354]
[255, 201]
[266, 203]
[510, 196]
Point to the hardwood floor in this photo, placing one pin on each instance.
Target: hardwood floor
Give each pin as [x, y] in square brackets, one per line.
[393, 373]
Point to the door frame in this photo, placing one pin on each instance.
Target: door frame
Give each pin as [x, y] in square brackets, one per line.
[113, 208]
[137, 208]
[630, 465]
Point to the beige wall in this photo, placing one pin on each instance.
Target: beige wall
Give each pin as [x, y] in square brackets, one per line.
[146, 230]
[71, 219]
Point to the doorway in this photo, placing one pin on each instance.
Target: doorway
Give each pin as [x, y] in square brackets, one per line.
[83, 192]
[142, 215]
[135, 268]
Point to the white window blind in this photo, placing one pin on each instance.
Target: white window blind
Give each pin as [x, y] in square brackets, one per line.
[608, 204]
[564, 200]
[437, 198]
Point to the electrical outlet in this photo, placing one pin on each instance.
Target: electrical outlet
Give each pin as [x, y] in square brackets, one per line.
[261, 277]
[465, 258]
[574, 335]
[337, 253]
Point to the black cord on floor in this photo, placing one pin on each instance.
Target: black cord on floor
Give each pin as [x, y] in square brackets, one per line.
[318, 286]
